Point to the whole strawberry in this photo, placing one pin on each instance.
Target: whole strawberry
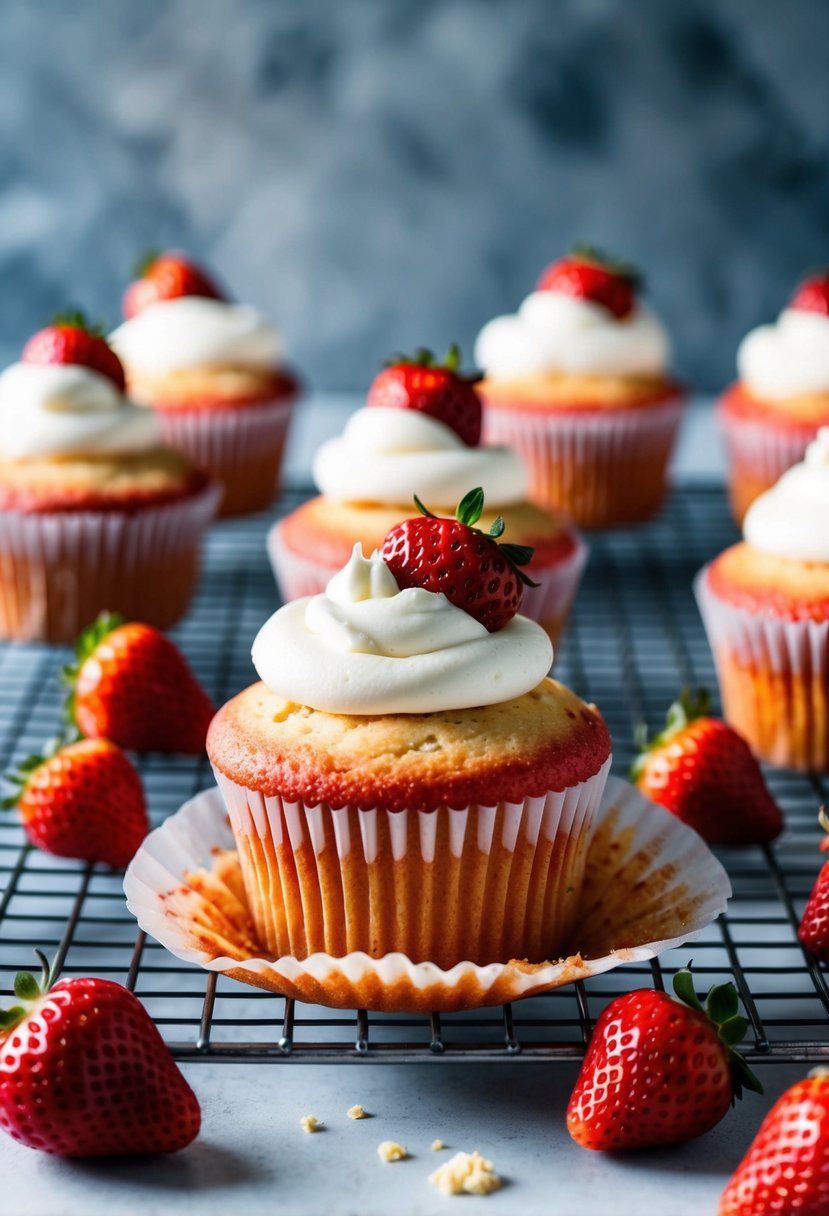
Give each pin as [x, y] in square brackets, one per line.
[658, 1071]
[813, 294]
[71, 339]
[85, 1073]
[786, 1169]
[814, 925]
[703, 772]
[132, 685]
[166, 276]
[433, 388]
[468, 566]
[588, 275]
[84, 801]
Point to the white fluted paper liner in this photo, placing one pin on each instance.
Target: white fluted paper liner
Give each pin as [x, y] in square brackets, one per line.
[766, 450]
[650, 884]
[59, 569]
[601, 467]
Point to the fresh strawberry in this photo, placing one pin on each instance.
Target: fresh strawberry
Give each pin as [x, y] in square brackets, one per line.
[468, 566]
[813, 294]
[660, 1072]
[786, 1169]
[814, 925]
[436, 389]
[85, 1073]
[166, 276]
[84, 800]
[589, 275]
[71, 339]
[703, 772]
[132, 685]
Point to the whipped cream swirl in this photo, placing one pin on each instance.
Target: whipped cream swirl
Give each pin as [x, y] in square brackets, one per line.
[789, 358]
[195, 331]
[389, 455]
[554, 332]
[792, 518]
[63, 409]
[366, 647]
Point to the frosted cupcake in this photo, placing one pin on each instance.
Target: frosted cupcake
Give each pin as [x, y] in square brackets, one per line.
[577, 382]
[405, 778]
[95, 512]
[213, 372]
[765, 603]
[781, 397]
[419, 434]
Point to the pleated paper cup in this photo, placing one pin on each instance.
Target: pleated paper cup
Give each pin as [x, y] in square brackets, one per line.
[301, 574]
[774, 679]
[600, 467]
[758, 455]
[649, 884]
[58, 570]
[240, 447]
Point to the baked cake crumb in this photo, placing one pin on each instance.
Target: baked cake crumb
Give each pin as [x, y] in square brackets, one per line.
[437, 1145]
[390, 1150]
[466, 1174]
[310, 1123]
[356, 1112]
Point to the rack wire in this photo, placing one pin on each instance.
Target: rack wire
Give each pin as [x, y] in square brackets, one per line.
[634, 639]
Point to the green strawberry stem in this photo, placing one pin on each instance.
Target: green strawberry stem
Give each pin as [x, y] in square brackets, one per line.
[423, 357]
[585, 252]
[87, 643]
[28, 991]
[143, 264]
[76, 318]
[722, 1008]
[468, 512]
[685, 710]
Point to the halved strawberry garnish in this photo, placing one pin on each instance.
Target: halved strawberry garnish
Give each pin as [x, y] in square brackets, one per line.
[813, 294]
[589, 275]
[434, 388]
[166, 276]
[72, 339]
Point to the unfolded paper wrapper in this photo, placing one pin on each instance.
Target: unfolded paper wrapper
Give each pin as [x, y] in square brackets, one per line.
[650, 884]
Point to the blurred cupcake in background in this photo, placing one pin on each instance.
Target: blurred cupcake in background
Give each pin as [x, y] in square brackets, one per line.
[577, 382]
[765, 604]
[419, 433]
[96, 512]
[781, 398]
[213, 371]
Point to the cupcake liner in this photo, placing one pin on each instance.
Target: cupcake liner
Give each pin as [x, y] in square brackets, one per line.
[298, 574]
[759, 454]
[602, 467]
[240, 447]
[650, 884]
[774, 679]
[58, 570]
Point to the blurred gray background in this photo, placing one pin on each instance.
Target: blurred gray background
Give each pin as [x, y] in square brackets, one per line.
[379, 175]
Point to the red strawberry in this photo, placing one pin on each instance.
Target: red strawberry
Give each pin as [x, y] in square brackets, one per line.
[814, 925]
[436, 389]
[166, 276]
[657, 1071]
[71, 339]
[703, 772]
[83, 801]
[589, 275]
[132, 685]
[85, 1073]
[786, 1169]
[468, 566]
[813, 294]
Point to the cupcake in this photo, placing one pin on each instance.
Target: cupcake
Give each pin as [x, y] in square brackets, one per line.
[95, 512]
[419, 434]
[781, 398]
[405, 778]
[765, 603]
[213, 372]
[576, 382]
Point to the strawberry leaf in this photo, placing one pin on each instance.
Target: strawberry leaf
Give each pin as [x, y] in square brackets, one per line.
[470, 508]
[76, 318]
[684, 989]
[584, 252]
[686, 709]
[10, 1017]
[733, 1030]
[722, 1003]
[497, 528]
[424, 510]
[143, 264]
[452, 361]
[85, 645]
[26, 987]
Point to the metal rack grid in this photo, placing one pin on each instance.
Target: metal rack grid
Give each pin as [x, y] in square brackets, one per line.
[634, 638]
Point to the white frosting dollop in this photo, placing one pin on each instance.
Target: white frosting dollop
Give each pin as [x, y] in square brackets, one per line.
[389, 455]
[554, 332]
[195, 331]
[366, 647]
[788, 358]
[64, 409]
[792, 518]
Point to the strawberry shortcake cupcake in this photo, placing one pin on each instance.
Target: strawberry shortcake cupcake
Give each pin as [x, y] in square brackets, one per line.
[781, 398]
[577, 382]
[419, 435]
[765, 603]
[404, 777]
[95, 511]
[213, 371]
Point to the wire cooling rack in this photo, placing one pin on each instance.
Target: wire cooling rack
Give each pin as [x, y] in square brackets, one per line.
[633, 640]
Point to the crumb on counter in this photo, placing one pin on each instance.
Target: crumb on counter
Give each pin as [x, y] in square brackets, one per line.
[436, 1146]
[310, 1123]
[466, 1174]
[390, 1150]
[356, 1112]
